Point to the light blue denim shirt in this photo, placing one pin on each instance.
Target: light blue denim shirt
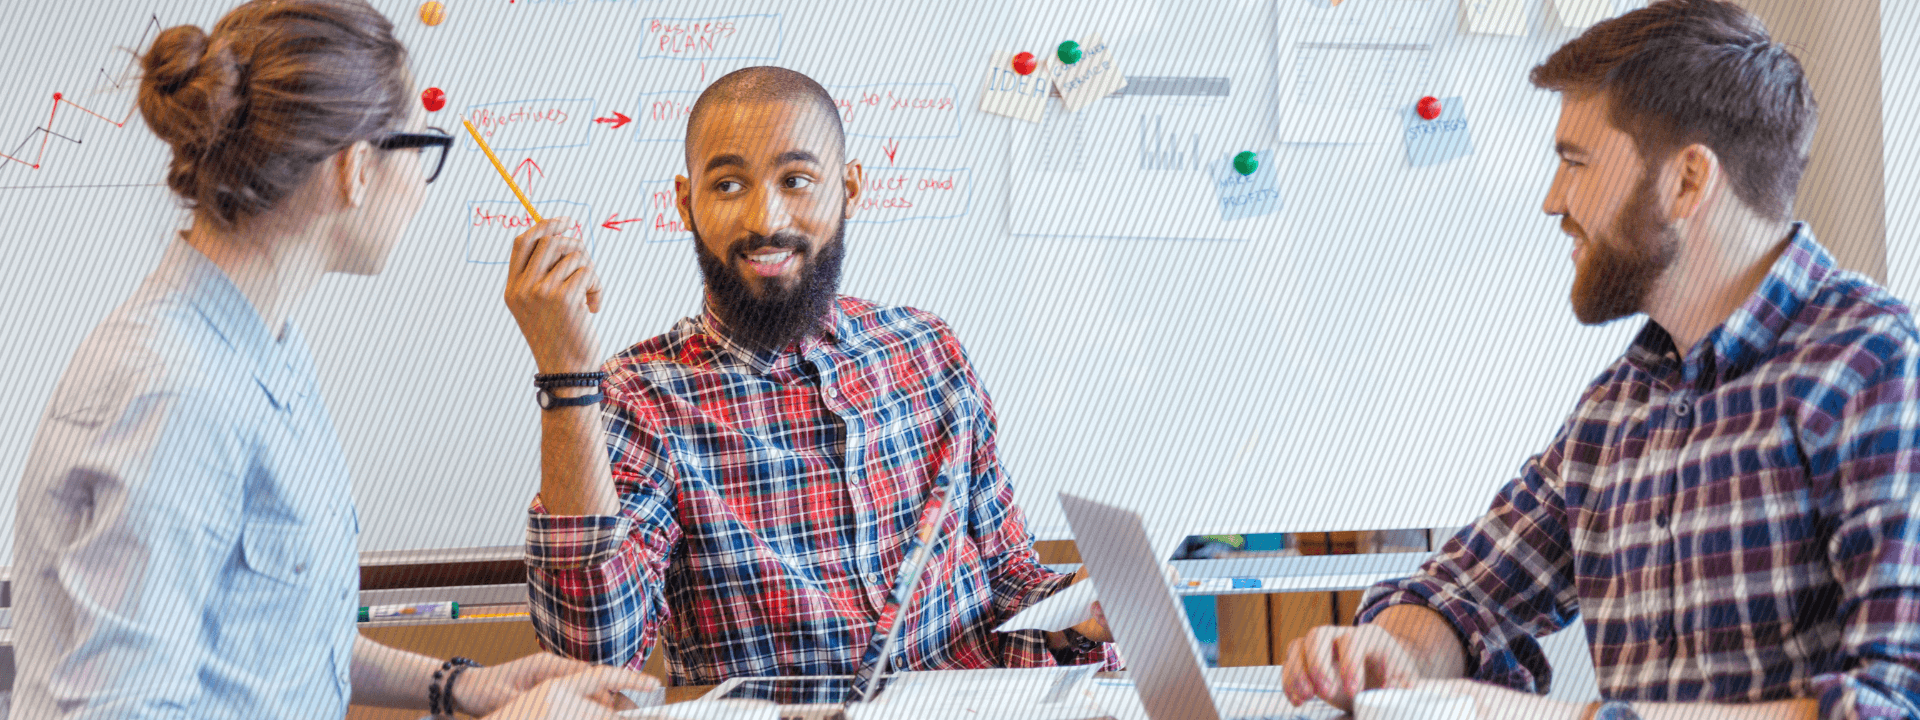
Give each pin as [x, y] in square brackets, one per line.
[186, 543]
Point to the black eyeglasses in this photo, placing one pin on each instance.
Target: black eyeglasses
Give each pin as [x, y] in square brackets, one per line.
[432, 145]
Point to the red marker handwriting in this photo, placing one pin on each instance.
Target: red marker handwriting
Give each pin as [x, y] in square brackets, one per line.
[531, 167]
[891, 146]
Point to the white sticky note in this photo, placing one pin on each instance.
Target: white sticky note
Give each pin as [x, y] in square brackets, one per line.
[1097, 75]
[1496, 17]
[1009, 93]
[1581, 14]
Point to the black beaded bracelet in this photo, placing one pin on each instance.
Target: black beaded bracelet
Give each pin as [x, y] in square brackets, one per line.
[455, 675]
[554, 380]
[440, 702]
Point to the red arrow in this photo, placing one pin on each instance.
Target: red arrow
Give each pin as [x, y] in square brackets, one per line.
[524, 165]
[616, 121]
[614, 225]
[890, 147]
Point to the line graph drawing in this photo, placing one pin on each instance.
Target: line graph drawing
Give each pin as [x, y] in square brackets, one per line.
[46, 133]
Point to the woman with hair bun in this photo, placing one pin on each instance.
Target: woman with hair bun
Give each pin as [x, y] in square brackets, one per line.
[186, 543]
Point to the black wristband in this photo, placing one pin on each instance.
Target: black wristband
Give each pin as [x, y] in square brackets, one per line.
[549, 401]
[554, 380]
[1079, 643]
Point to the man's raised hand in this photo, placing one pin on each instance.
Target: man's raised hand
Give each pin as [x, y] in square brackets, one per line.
[551, 290]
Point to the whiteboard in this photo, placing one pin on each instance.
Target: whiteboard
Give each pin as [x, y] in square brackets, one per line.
[1901, 138]
[1387, 348]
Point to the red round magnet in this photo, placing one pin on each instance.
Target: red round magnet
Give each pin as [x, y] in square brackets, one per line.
[1024, 63]
[433, 99]
[1429, 108]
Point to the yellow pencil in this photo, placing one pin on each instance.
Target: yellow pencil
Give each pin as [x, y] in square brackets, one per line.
[504, 175]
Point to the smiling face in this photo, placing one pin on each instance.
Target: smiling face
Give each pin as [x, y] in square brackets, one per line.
[1609, 202]
[767, 197]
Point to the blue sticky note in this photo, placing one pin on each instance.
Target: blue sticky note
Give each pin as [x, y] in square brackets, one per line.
[1246, 583]
[1245, 196]
[1431, 142]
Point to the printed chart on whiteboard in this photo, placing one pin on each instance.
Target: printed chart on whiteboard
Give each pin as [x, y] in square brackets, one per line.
[1133, 164]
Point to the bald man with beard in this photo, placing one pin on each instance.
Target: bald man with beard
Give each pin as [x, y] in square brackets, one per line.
[745, 485]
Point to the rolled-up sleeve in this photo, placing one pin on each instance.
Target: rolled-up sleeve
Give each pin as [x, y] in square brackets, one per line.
[1006, 546]
[596, 582]
[1872, 469]
[1502, 581]
[163, 481]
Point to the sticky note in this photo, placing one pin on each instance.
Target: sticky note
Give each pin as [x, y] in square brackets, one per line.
[1431, 142]
[1580, 14]
[1495, 17]
[1009, 93]
[1245, 196]
[1096, 76]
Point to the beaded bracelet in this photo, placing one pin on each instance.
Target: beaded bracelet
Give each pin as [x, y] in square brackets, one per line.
[554, 380]
[440, 702]
[455, 675]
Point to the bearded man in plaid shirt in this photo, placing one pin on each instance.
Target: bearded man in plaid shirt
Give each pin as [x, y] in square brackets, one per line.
[747, 486]
[1731, 506]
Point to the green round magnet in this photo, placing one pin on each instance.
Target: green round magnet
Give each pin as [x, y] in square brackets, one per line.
[1069, 52]
[1246, 162]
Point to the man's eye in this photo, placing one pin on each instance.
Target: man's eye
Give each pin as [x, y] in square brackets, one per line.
[796, 182]
[727, 186]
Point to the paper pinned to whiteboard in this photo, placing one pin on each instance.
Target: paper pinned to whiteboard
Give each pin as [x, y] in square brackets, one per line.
[1346, 67]
[1495, 17]
[1096, 75]
[1009, 93]
[1132, 164]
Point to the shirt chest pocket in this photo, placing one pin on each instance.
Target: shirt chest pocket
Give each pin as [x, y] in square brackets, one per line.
[283, 554]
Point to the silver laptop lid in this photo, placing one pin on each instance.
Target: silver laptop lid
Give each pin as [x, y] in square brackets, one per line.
[1151, 628]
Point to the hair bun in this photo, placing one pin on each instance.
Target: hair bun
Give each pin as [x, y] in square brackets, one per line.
[189, 86]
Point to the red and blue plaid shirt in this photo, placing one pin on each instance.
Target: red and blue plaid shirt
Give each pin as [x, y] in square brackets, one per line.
[1735, 525]
[767, 500]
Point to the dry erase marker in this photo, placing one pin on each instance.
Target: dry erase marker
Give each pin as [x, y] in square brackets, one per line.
[418, 611]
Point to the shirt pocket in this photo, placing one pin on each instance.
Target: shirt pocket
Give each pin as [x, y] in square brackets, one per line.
[282, 553]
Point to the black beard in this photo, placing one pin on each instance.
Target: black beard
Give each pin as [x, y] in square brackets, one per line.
[786, 314]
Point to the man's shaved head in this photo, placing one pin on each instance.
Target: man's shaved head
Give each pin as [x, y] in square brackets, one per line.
[767, 84]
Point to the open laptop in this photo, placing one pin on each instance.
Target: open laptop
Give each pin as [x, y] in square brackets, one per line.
[1163, 659]
[827, 697]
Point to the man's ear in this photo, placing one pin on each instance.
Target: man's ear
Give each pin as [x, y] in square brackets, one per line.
[1697, 177]
[353, 173]
[683, 200]
[856, 182]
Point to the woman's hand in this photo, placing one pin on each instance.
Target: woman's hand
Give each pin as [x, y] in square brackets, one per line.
[481, 691]
[592, 694]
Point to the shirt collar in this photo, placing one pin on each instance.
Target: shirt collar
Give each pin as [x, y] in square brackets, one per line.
[829, 330]
[1750, 332]
[277, 364]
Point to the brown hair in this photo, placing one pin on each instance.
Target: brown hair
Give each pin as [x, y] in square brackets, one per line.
[1679, 72]
[279, 86]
